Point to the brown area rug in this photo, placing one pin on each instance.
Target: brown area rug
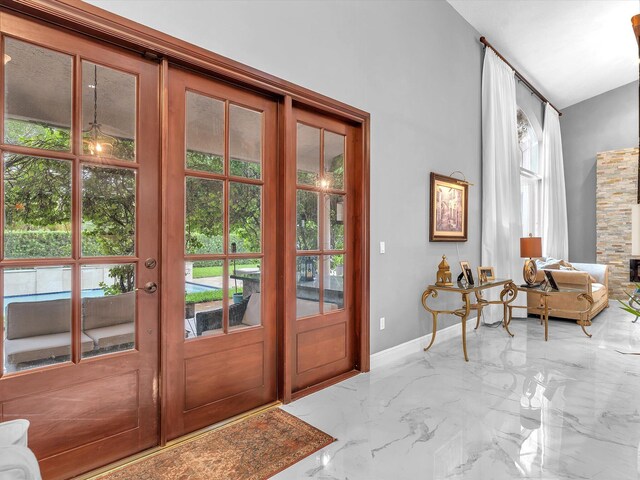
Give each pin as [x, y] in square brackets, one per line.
[253, 449]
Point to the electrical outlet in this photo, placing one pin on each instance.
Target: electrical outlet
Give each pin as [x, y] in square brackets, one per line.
[382, 247]
[382, 321]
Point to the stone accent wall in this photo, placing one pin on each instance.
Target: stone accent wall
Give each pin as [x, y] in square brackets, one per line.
[616, 192]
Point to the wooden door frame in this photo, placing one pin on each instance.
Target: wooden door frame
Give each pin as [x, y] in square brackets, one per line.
[152, 44]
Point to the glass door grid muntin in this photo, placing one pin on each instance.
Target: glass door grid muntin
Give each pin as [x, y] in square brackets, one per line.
[227, 178]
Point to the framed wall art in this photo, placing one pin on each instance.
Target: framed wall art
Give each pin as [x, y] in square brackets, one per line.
[448, 209]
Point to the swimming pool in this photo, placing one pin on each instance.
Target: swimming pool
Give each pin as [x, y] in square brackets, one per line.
[190, 287]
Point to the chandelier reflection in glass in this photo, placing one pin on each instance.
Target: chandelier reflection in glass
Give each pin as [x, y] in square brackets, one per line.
[95, 141]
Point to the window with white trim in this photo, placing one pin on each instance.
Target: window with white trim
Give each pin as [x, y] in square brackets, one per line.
[530, 177]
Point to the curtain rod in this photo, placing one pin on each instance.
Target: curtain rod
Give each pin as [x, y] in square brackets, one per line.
[533, 89]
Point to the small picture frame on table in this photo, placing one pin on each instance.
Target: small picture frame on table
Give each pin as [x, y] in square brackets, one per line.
[467, 274]
[486, 274]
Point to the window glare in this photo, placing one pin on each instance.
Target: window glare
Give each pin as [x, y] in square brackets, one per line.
[530, 180]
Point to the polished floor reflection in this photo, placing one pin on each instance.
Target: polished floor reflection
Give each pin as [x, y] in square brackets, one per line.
[521, 408]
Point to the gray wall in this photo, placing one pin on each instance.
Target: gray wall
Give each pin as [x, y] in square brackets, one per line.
[415, 66]
[606, 122]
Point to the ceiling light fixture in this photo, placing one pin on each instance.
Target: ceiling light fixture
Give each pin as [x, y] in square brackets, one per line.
[96, 142]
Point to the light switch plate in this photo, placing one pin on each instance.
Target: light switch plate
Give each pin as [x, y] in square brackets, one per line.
[382, 323]
[382, 247]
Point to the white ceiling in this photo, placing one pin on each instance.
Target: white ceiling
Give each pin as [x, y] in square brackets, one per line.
[570, 50]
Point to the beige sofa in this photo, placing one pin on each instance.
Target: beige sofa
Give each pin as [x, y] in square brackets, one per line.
[41, 330]
[588, 277]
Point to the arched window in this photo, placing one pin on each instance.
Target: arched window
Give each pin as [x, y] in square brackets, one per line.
[530, 178]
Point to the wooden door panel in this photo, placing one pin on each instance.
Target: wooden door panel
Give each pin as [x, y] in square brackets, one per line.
[70, 417]
[321, 347]
[212, 377]
[228, 373]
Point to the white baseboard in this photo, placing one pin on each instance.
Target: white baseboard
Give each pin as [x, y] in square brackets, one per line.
[417, 344]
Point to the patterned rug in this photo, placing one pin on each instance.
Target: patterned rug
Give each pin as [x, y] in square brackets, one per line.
[252, 449]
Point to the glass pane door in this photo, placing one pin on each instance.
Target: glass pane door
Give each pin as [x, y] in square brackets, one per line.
[79, 196]
[320, 220]
[323, 322]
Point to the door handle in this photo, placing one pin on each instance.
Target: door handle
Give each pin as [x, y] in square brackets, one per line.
[149, 287]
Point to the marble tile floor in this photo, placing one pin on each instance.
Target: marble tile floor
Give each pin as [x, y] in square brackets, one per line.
[568, 408]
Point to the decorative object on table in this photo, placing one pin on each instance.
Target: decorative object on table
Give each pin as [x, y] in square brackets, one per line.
[443, 277]
[257, 447]
[530, 248]
[486, 274]
[466, 272]
[551, 281]
[448, 209]
[237, 297]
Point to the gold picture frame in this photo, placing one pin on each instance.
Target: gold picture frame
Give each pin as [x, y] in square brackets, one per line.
[467, 273]
[448, 209]
[486, 274]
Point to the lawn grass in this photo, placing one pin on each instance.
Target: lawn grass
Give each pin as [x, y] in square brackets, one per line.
[204, 272]
[208, 296]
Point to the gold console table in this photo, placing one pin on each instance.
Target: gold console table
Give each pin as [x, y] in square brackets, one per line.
[508, 294]
[544, 309]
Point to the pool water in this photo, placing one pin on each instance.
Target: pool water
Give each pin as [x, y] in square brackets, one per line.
[190, 287]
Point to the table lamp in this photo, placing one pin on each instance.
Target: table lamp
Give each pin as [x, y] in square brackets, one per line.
[530, 248]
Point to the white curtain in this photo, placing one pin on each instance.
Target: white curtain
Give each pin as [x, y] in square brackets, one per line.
[501, 217]
[555, 232]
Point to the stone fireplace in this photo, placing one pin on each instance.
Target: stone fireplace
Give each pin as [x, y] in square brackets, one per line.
[616, 192]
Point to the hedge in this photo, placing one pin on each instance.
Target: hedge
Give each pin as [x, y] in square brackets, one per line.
[208, 296]
[44, 243]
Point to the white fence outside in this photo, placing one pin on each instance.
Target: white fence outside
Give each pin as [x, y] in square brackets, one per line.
[29, 281]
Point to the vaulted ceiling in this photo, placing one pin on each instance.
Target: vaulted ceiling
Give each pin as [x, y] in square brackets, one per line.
[571, 50]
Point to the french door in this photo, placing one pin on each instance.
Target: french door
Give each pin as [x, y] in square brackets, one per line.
[220, 256]
[321, 188]
[79, 246]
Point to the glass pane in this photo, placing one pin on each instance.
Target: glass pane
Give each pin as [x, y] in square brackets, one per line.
[108, 112]
[203, 292]
[108, 308]
[204, 133]
[245, 217]
[307, 289]
[203, 222]
[245, 142]
[334, 211]
[245, 304]
[308, 154]
[334, 160]
[333, 282]
[37, 315]
[307, 220]
[37, 207]
[108, 211]
[37, 96]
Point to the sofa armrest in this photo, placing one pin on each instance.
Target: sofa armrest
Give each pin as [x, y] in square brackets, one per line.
[596, 270]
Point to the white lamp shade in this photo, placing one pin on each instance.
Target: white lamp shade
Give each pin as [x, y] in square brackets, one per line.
[635, 230]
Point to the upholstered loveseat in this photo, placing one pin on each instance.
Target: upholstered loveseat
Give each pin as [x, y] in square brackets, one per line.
[588, 277]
